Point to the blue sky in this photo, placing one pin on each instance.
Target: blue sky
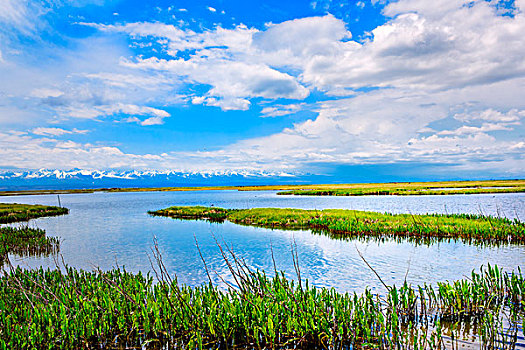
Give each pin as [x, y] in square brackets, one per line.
[406, 88]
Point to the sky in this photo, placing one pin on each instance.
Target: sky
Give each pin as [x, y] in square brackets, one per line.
[417, 88]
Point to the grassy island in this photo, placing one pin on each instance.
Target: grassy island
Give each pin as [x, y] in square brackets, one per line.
[25, 240]
[362, 224]
[23, 212]
[51, 309]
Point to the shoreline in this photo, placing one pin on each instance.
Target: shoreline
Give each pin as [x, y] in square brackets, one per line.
[359, 189]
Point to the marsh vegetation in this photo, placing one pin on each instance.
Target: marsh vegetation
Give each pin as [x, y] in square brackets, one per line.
[411, 188]
[355, 223]
[117, 309]
[25, 240]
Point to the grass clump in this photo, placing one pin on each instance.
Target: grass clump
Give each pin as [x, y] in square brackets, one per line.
[117, 309]
[195, 213]
[24, 240]
[355, 223]
[23, 212]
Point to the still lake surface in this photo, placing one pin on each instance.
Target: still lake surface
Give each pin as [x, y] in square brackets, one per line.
[105, 230]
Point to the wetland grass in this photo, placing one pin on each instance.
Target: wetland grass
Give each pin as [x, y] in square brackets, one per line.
[24, 240]
[71, 309]
[412, 188]
[353, 223]
[23, 212]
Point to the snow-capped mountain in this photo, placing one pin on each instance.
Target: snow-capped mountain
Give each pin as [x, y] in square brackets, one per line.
[81, 178]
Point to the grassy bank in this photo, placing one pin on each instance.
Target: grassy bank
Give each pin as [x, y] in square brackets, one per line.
[24, 240]
[23, 212]
[360, 223]
[413, 188]
[116, 309]
[395, 188]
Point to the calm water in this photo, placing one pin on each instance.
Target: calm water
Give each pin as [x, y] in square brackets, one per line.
[109, 229]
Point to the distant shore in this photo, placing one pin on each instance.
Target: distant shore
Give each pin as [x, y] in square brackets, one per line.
[360, 189]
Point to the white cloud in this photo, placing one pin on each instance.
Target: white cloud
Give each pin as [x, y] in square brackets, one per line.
[492, 115]
[470, 45]
[46, 92]
[387, 126]
[486, 127]
[56, 131]
[93, 112]
[149, 82]
[31, 153]
[211, 9]
[238, 63]
[153, 121]
[281, 110]
[134, 110]
[18, 14]
[226, 104]
[230, 81]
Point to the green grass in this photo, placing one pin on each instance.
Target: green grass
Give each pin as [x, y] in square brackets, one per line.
[353, 223]
[23, 212]
[394, 188]
[50, 309]
[413, 188]
[24, 240]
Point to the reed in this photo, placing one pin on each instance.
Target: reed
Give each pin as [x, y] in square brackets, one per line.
[116, 309]
[24, 240]
[353, 223]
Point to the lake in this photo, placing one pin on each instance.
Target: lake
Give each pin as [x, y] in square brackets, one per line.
[105, 230]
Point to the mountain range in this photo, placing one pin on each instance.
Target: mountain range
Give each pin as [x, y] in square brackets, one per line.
[80, 178]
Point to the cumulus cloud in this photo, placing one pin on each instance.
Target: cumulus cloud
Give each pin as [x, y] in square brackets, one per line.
[470, 45]
[388, 126]
[240, 63]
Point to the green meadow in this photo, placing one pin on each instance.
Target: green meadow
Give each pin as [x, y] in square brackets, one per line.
[412, 188]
